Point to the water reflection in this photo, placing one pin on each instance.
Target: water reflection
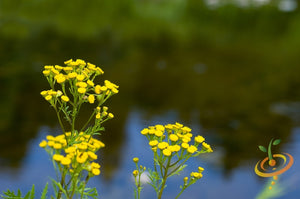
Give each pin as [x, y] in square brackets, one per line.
[243, 180]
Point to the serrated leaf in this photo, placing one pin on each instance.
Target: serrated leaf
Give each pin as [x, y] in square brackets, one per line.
[178, 170]
[44, 193]
[32, 192]
[19, 193]
[276, 142]
[262, 148]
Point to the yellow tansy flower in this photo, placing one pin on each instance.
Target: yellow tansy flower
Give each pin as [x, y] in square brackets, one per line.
[200, 169]
[80, 77]
[57, 157]
[158, 133]
[97, 89]
[192, 149]
[65, 98]
[199, 139]
[72, 75]
[162, 145]
[65, 161]
[91, 99]
[173, 137]
[159, 127]
[95, 165]
[135, 173]
[145, 131]
[60, 78]
[153, 143]
[57, 146]
[51, 143]
[81, 84]
[96, 172]
[89, 82]
[98, 116]
[81, 158]
[167, 152]
[48, 97]
[68, 61]
[46, 72]
[135, 160]
[43, 144]
[92, 155]
[81, 90]
[185, 145]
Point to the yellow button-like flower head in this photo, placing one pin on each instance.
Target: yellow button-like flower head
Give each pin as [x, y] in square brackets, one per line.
[135, 160]
[81, 90]
[60, 78]
[162, 145]
[135, 173]
[81, 158]
[185, 145]
[199, 139]
[153, 143]
[98, 116]
[158, 133]
[72, 75]
[43, 144]
[90, 83]
[57, 157]
[92, 155]
[145, 131]
[96, 172]
[97, 89]
[80, 77]
[173, 137]
[48, 97]
[57, 146]
[192, 149]
[110, 116]
[65, 161]
[167, 152]
[91, 99]
[65, 98]
[81, 84]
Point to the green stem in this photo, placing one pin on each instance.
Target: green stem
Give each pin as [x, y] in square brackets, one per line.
[164, 178]
[62, 182]
[59, 120]
[85, 182]
[270, 151]
[183, 188]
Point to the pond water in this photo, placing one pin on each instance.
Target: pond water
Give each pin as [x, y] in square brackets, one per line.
[229, 72]
[241, 183]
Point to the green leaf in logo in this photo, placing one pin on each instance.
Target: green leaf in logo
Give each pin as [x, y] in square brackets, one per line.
[276, 142]
[262, 148]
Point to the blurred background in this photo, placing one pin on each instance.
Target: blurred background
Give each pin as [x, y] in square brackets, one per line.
[229, 69]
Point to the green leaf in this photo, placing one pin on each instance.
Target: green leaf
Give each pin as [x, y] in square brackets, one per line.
[276, 142]
[59, 186]
[32, 192]
[177, 171]
[44, 193]
[262, 148]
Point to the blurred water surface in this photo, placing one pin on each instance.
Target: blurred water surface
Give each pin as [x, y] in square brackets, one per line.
[228, 69]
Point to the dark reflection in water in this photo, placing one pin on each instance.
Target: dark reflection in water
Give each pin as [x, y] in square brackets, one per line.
[227, 65]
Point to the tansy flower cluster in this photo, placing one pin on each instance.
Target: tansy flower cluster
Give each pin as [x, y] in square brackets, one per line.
[175, 139]
[79, 156]
[71, 86]
[80, 76]
[172, 146]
